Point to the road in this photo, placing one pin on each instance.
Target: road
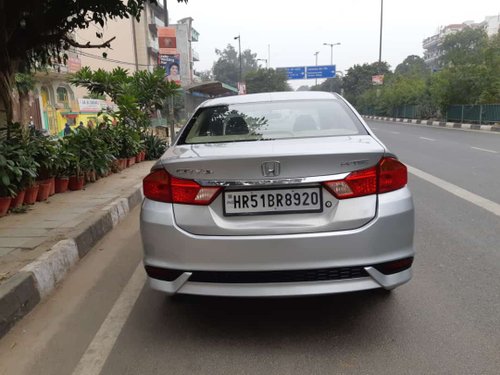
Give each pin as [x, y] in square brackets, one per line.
[103, 319]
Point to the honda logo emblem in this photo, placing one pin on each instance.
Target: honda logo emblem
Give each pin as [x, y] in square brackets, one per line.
[271, 168]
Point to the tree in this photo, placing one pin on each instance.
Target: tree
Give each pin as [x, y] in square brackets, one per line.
[463, 47]
[329, 85]
[205, 75]
[303, 88]
[137, 96]
[227, 67]
[267, 80]
[36, 33]
[358, 79]
[413, 65]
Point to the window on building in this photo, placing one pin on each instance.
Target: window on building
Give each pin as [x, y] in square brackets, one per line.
[62, 95]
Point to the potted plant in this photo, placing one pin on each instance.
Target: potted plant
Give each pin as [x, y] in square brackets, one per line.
[61, 166]
[28, 167]
[7, 188]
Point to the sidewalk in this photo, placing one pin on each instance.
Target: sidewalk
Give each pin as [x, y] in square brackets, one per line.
[37, 248]
[450, 125]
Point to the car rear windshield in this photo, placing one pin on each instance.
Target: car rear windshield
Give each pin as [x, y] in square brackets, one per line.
[271, 120]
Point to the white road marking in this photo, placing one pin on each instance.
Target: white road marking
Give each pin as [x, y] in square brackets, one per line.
[484, 149]
[427, 139]
[488, 205]
[99, 349]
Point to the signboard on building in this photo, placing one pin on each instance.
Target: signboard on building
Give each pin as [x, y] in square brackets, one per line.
[378, 79]
[167, 40]
[171, 64]
[94, 105]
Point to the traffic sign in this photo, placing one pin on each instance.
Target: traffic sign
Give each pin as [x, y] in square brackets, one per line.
[297, 72]
[320, 71]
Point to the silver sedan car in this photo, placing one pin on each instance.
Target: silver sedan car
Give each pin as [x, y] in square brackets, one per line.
[277, 194]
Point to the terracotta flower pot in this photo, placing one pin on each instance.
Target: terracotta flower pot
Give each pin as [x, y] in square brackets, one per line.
[61, 184]
[43, 191]
[76, 183]
[4, 205]
[138, 158]
[18, 200]
[131, 161]
[123, 163]
[31, 194]
[52, 189]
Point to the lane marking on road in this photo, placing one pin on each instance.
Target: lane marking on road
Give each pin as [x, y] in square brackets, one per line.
[427, 139]
[484, 149]
[94, 358]
[488, 205]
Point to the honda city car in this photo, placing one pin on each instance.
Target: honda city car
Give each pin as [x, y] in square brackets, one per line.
[277, 194]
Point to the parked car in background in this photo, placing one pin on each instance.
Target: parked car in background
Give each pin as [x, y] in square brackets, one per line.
[277, 194]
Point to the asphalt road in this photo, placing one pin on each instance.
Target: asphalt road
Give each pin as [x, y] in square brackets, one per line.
[445, 321]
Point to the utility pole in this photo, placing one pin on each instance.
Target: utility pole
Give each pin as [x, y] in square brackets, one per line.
[316, 54]
[381, 23]
[331, 58]
[239, 47]
[268, 56]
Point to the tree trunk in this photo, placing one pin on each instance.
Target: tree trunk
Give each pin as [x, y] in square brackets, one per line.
[6, 84]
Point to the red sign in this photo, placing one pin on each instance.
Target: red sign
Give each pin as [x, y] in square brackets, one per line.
[167, 40]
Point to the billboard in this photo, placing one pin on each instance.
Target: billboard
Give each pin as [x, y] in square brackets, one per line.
[378, 79]
[171, 64]
[167, 40]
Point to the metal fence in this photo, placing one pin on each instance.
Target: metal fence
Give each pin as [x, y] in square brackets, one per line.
[481, 113]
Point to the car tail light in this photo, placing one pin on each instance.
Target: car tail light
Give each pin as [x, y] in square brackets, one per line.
[160, 186]
[392, 175]
[388, 175]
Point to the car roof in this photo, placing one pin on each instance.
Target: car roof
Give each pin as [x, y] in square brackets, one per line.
[270, 97]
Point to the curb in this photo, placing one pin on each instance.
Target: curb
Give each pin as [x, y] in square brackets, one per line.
[23, 291]
[450, 125]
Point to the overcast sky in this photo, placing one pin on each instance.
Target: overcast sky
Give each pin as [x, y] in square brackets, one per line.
[295, 30]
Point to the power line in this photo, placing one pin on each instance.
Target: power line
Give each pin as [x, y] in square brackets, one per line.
[97, 57]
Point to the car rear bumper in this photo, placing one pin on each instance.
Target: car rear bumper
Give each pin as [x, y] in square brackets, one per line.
[388, 237]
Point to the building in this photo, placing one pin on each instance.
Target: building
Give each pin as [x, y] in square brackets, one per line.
[433, 44]
[135, 47]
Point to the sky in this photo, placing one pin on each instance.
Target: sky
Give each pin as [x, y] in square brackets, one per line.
[295, 30]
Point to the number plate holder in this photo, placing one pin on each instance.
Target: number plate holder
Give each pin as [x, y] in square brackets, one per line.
[273, 201]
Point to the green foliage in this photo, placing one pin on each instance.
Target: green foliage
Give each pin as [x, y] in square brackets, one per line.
[464, 47]
[266, 80]
[154, 145]
[413, 66]
[329, 85]
[137, 96]
[18, 168]
[358, 79]
[227, 67]
[37, 33]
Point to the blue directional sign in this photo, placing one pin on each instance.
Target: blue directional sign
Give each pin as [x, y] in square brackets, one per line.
[297, 72]
[320, 71]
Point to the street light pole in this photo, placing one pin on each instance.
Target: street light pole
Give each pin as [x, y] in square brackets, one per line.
[381, 23]
[331, 50]
[316, 54]
[331, 58]
[239, 47]
[263, 60]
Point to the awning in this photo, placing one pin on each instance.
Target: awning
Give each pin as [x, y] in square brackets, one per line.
[212, 89]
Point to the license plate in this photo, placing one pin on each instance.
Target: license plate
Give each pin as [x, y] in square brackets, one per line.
[273, 201]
